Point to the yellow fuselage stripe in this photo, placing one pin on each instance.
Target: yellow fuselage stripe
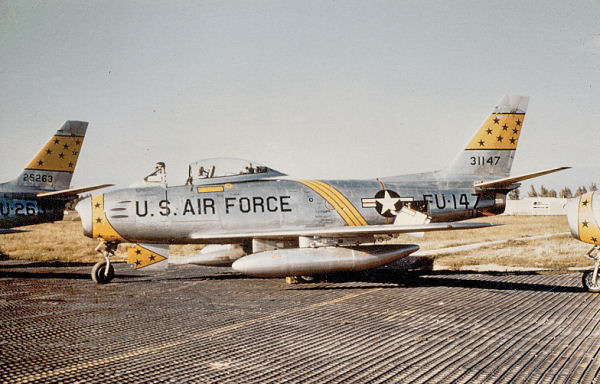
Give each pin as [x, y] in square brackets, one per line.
[338, 201]
[351, 209]
[331, 200]
[101, 227]
[589, 231]
[210, 189]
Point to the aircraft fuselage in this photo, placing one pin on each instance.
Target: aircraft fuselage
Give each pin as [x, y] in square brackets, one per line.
[19, 209]
[161, 214]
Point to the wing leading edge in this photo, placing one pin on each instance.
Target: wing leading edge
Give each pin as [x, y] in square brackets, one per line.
[509, 181]
[342, 232]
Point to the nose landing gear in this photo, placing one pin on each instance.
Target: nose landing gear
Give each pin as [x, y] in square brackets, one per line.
[103, 271]
[591, 279]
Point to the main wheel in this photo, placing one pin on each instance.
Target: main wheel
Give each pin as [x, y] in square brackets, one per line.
[99, 274]
[589, 284]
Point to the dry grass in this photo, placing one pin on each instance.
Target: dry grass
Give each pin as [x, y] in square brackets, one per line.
[513, 227]
[558, 252]
[60, 241]
[63, 241]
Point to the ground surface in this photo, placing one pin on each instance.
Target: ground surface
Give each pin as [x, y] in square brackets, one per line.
[194, 324]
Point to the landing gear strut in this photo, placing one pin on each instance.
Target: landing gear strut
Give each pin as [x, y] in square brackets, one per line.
[103, 272]
[301, 279]
[591, 279]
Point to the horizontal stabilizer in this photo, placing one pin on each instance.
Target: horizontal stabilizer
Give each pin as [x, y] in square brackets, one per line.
[348, 231]
[149, 256]
[72, 191]
[507, 181]
[6, 231]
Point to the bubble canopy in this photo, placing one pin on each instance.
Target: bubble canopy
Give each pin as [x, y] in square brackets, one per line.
[230, 168]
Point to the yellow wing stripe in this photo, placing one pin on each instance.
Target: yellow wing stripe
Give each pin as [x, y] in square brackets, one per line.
[58, 155]
[589, 231]
[101, 227]
[499, 131]
[338, 201]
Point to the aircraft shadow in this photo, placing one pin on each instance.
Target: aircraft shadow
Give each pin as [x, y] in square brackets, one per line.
[54, 275]
[434, 279]
[393, 278]
[44, 264]
[49, 270]
[44, 275]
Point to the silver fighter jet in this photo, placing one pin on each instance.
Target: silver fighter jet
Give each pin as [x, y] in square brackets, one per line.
[40, 192]
[269, 225]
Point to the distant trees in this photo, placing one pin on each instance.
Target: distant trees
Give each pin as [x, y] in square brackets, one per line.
[532, 192]
[580, 191]
[544, 192]
[565, 192]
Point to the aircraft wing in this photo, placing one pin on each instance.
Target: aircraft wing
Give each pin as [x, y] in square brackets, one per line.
[72, 191]
[6, 231]
[507, 181]
[347, 231]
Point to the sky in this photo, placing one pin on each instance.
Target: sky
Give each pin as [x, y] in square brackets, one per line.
[315, 89]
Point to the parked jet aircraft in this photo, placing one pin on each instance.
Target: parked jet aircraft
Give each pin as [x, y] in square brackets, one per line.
[40, 192]
[272, 226]
[583, 213]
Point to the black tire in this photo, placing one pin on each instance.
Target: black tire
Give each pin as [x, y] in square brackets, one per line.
[586, 279]
[98, 273]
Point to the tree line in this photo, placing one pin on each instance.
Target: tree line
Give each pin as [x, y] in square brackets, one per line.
[565, 192]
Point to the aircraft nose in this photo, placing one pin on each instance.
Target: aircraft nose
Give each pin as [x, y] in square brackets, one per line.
[572, 209]
[84, 208]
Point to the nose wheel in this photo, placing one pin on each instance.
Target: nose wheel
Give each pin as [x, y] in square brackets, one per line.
[103, 271]
[591, 279]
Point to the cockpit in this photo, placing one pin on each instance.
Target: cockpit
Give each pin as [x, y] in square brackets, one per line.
[228, 169]
[218, 170]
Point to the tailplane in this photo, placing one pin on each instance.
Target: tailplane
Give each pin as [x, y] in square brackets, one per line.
[490, 152]
[52, 168]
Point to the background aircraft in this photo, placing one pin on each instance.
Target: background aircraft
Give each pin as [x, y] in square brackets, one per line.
[583, 213]
[40, 192]
[293, 228]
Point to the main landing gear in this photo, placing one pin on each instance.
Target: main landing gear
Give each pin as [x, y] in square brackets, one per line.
[103, 272]
[301, 279]
[591, 279]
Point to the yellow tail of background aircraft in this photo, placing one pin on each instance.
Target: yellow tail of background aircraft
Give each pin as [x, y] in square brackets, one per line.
[40, 192]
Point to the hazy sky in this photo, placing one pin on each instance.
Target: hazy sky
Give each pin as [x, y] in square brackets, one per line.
[323, 89]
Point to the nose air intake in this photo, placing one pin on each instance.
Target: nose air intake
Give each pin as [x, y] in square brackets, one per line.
[572, 210]
[84, 209]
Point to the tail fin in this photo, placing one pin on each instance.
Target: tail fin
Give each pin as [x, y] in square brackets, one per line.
[52, 168]
[491, 151]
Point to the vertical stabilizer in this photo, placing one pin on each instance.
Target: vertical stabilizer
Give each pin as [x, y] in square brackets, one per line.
[491, 151]
[52, 168]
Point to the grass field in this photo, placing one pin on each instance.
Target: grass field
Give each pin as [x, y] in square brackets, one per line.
[64, 241]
